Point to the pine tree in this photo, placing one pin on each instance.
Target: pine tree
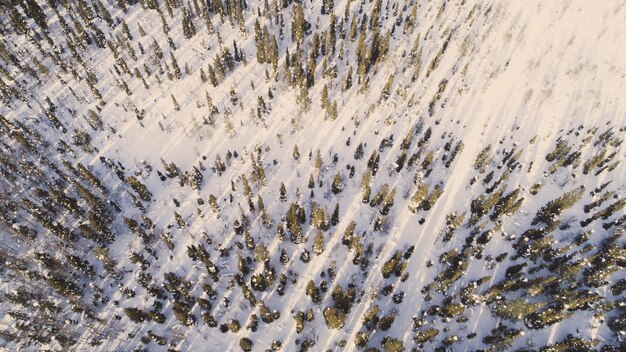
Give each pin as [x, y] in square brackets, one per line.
[298, 23]
[179, 220]
[136, 315]
[228, 59]
[218, 67]
[212, 76]
[386, 321]
[334, 220]
[380, 195]
[358, 153]
[348, 234]
[258, 39]
[425, 336]
[334, 318]
[332, 111]
[331, 36]
[189, 30]
[140, 188]
[319, 217]
[283, 192]
[384, 95]
[17, 22]
[550, 212]
[175, 67]
[273, 55]
[318, 161]
[388, 202]
[246, 344]
[195, 179]
[205, 15]
[311, 183]
[348, 80]
[34, 11]
[296, 152]
[302, 98]
[175, 103]
[392, 345]
[337, 185]
[366, 187]
[516, 309]
[324, 97]
[318, 243]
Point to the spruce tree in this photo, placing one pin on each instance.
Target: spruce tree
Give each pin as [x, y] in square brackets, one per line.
[337, 185]
[34, 11]
[175, 103]
[258, 39]
[175, 67]
[189, 30]
[334, 220]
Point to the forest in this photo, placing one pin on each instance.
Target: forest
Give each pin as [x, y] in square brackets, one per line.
[324, 175]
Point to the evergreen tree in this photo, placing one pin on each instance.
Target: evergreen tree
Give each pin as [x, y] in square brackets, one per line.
[195, 179]
[337, 185]
[335, 318]
[175, 67]
[324, 97]
[283, 192]
[296, 153]
[298, 23]
[212, 76]
[258, 39]
[175, 103]
[136, 315]
[366, 187]
[245, 344]
[189, 30]
[334, 220]
[318, 243]
[34, 11]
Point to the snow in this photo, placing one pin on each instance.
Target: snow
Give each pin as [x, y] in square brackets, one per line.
[515, 70]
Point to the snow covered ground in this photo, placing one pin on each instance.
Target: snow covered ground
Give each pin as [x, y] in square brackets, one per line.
[513, 75]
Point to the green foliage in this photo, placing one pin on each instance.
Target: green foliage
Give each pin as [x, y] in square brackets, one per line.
[64, 285]
[483, 159]
[502, 337]
[550, 212]
[380, 196]
[343, 298]
[418, 197]
[394, 265]
[386, 321]
[392, 345]
[136, 315]
[182, 312]
[453, 310]
[515, 309]
[544, 318]
[426, 335]
[294, 224]
[337, 185]
[571, 343]
[318, 243]
[140, 188]
[366, 187]
[245, 344]
[233, 325]
[319, 217]
[453, 221]
[335, 318]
